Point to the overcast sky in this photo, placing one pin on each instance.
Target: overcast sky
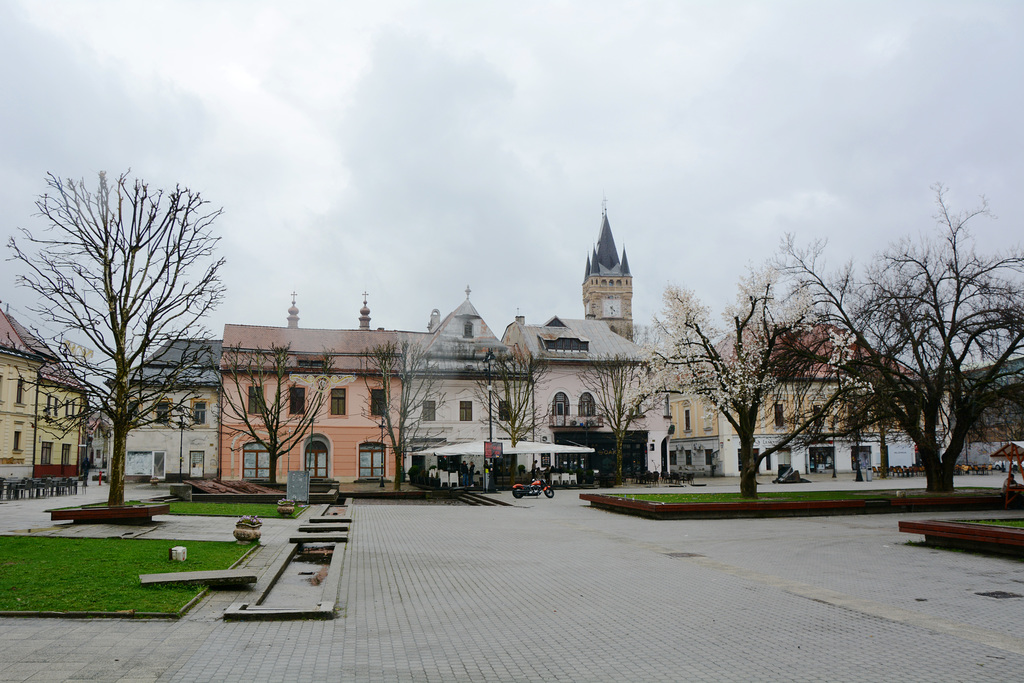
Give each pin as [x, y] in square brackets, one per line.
[409, 149]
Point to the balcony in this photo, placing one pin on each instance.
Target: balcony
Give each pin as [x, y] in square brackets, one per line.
[575, 421]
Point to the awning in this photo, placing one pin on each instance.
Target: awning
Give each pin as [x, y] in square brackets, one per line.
[521, 448]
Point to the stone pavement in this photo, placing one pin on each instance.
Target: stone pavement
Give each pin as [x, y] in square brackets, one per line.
[553, 590]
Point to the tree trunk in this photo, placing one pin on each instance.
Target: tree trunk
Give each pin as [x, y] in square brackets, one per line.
[618, 459]
[883, 453]
[115, 474]
[748, 469]
[399, 458]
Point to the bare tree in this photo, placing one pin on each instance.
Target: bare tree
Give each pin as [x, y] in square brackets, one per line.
[622, 397]
[936, 325]
[410, 384]
[269, 401]
[771, 356]
[126, 271]
[515, 376]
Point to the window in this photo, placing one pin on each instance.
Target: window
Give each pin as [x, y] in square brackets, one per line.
[51, 406]
[297, 400]
[467, 330]
[163, 412]
[199, 412]
[19, 396]
[465, 411]
[689, 458]
[586, 404]
[69, 408]
[503, 412]
[378, 402]
[255, 400]
[672, 458]
[780, 420]
[255, 462]
[686, 420]
[17, 441]
[707, 419]
[429, 411]
[65, 454]
[46, 453]
[337, 401]
[560, 406]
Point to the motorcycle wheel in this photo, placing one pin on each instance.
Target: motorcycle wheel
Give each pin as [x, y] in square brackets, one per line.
[549, 492]
[517, 493]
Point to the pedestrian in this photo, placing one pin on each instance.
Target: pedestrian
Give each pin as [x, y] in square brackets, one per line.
[85, 471]
[472, 472]
[463, 474]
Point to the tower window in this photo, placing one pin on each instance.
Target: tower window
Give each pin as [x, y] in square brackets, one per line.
[467, 330]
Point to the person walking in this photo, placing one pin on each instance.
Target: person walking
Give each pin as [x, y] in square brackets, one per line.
[472, 473]
[85, 471]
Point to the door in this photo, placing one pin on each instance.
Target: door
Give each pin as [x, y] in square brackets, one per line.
[371, 461]
[197, 458]
[316, 459]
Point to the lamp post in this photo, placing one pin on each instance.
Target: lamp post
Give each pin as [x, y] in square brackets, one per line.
[181, 444]
[490, 419]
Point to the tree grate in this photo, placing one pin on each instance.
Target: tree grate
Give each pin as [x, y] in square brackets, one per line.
[1000, 594]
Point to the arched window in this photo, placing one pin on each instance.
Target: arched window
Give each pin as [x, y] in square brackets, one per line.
[586, 404]
[560, 406]
[316, 457]
[371, 460]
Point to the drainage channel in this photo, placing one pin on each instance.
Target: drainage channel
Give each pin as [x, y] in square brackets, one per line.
[303, 583]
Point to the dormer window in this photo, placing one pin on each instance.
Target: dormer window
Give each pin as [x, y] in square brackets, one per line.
[566, 344]
[467, 330]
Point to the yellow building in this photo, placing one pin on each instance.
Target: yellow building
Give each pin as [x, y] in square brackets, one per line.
[41, 404]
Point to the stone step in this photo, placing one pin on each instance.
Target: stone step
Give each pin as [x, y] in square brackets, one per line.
[336, 537]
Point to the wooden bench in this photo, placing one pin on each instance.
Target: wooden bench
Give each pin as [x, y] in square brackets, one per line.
[322, 528]
[127, 514]
[967, 536]
[223, 577]
[337, 537]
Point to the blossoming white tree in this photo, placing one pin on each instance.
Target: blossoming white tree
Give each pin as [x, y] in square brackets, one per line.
[769, 352]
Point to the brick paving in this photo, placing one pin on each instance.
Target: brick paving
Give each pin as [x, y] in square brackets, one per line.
[554, 590]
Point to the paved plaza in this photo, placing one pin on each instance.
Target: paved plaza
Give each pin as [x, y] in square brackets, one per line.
[554, 590]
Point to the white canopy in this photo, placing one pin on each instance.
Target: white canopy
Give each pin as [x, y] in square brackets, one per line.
[521, 448]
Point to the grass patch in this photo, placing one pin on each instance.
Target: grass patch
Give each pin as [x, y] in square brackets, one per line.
[725, 497]
[1015, 523]
[265, 510]
[101, 574]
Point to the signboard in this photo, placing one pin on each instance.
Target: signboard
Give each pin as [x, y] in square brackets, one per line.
[492, 449]
[298, 486]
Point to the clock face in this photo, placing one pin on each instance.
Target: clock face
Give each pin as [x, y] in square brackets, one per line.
[612, 309]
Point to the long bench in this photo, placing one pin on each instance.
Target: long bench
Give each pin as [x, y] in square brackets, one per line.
[223, 577]
[127, 514]
[967, 536]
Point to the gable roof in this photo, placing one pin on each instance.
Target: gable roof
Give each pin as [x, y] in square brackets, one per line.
[602, 341]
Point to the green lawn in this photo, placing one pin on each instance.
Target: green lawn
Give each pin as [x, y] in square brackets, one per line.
[265, 510]
[786, 495]
[1016, 523]
[101, 574]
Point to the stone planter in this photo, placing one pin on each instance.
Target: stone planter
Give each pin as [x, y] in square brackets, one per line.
[286, 510]
[246, 533]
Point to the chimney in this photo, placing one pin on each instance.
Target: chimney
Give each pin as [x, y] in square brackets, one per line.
[521, 319]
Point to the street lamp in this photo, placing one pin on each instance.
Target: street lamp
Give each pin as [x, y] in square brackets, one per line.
[181, 445]
[489, 358]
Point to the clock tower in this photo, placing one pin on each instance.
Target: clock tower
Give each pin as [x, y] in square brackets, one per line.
[608, 285]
